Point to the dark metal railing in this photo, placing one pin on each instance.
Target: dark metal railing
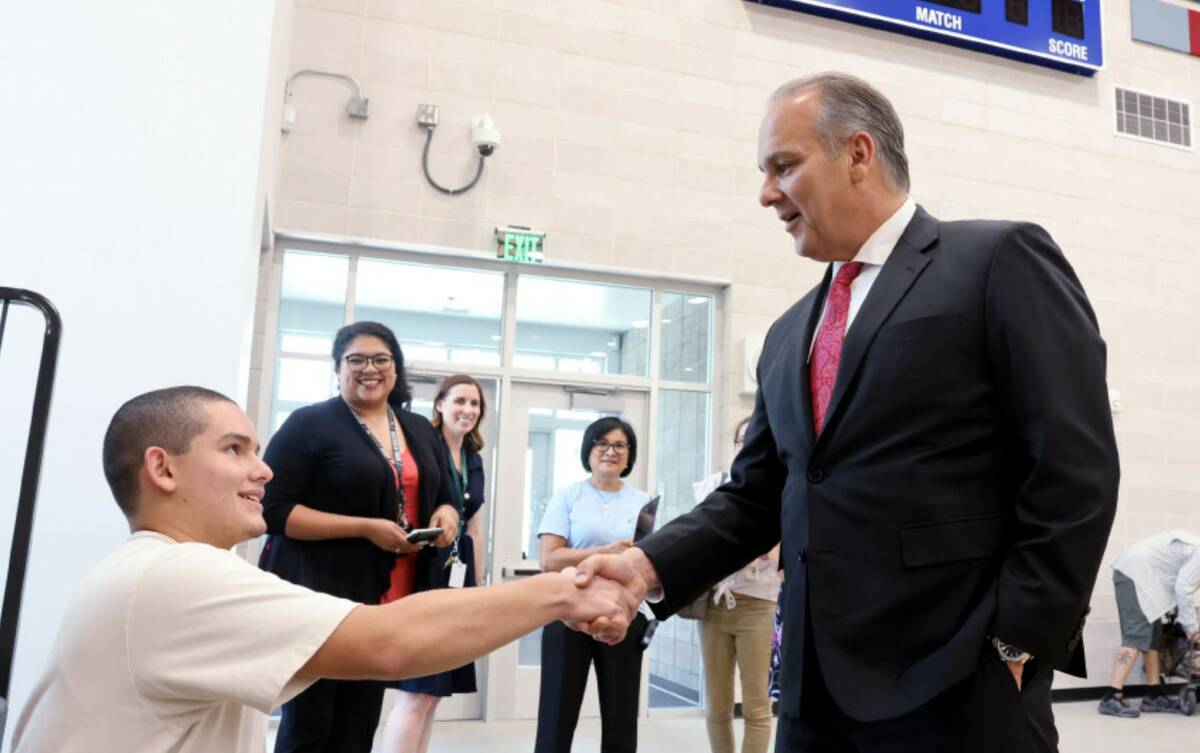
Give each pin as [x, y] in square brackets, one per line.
[31, 473]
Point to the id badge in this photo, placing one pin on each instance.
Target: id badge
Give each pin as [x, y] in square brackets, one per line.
[458, 575]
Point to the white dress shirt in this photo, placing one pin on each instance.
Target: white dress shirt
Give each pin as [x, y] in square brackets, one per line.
[873, 254]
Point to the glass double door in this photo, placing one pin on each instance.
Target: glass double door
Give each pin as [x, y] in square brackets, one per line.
[533, 434]
[539, 452]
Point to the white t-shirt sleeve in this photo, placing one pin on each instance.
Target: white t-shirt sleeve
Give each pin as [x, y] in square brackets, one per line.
[206, 626]
[557, 518]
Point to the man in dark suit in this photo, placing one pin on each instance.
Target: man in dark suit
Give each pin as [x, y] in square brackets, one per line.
[932, 441]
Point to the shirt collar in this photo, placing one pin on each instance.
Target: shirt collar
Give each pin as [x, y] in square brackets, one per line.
[146, 533]
[879, 246]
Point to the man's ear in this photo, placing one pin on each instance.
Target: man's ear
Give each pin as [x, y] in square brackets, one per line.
[157, 465]
[861, 150]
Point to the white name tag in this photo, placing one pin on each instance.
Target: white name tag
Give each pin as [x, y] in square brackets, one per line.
[458, 575]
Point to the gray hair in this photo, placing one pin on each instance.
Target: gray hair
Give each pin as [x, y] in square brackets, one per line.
[849, 105]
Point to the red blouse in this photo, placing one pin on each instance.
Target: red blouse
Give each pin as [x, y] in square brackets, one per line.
[405, 571]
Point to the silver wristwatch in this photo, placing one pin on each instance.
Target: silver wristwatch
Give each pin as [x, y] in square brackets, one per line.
[1010, 653]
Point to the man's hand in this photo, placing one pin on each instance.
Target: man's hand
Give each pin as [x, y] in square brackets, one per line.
[445, 517]
[632, 570]
[618, 546]
[599, 599]
[1018, 670]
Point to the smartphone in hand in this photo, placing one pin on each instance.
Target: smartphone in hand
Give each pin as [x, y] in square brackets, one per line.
[423, 535]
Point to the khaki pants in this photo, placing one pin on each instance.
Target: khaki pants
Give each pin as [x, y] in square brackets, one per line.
[741, 635]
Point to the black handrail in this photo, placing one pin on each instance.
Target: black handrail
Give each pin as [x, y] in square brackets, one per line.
[30, 475]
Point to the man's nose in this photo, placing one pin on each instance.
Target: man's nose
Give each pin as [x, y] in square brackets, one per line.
[263, 471]
[769, 193]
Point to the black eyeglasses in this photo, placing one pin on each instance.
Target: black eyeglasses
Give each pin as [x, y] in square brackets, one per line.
[618, 447]
[357, 362]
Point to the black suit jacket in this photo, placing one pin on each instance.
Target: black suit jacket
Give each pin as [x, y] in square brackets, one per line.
[323, 459]
[964, 484]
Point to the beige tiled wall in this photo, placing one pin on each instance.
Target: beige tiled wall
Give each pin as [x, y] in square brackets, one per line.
[629, 135]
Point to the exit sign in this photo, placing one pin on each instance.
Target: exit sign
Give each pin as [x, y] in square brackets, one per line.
[520, 244]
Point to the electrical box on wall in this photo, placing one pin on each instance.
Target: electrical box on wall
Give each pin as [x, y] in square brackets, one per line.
[1061, 34]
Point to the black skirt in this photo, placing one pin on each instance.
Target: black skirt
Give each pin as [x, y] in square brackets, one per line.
[461, 679]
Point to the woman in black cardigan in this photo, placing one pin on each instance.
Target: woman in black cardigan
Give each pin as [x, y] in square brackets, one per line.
[352, 475]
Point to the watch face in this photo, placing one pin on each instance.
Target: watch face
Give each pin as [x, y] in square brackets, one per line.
[1010, 653]
[1013, 654]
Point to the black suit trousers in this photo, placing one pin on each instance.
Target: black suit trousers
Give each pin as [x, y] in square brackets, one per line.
[984, 713]
[566, 657]
[331, 716]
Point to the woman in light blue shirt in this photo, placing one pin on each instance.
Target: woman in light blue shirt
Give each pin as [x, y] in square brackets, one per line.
[598, 514]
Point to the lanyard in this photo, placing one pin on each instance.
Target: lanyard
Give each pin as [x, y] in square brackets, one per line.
[397, 461]
[463, 479]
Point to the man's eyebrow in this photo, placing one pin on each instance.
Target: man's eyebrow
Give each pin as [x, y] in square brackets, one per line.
[233, 436]
[772, 159]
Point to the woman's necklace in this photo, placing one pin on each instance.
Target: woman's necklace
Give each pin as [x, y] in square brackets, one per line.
[606, 497]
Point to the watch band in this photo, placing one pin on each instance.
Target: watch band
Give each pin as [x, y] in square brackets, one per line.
[1010, 653]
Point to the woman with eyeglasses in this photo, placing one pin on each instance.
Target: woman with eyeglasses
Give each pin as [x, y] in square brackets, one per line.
[353, 475]
[597, 514]
[458, 413]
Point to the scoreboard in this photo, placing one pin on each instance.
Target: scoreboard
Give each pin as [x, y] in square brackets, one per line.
[1062, 34]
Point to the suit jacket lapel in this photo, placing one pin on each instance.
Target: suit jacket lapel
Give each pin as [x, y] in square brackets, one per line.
[807, 316]
[905, 264]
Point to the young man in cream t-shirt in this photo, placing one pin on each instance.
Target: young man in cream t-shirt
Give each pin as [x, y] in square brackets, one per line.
[175, 644]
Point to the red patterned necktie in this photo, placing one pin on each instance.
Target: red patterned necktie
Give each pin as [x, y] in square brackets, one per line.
[827, 349]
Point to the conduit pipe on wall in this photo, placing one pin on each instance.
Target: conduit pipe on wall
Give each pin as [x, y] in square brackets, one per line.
[358, 106]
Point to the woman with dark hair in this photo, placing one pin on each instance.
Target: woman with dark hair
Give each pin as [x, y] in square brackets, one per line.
[458, 412]
[353, 475]
[598, 514]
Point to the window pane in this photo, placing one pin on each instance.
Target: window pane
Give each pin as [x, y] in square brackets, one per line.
[304, 381]
[686, 337]
[551, 462]
[317, 345]
[439, 314]
[582, 327]
[312, 302]
[529, 649]
[682, 459]
[300, 382]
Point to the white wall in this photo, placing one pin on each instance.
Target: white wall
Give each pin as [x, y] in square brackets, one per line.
[131, 196]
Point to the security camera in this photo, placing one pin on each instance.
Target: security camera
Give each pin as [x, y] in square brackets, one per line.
[484, 135]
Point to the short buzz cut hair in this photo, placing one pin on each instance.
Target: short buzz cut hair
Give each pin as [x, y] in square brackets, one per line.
[168, 418]
[849, 105]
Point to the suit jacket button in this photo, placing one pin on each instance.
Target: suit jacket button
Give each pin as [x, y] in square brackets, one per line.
[815, 475]
[804, 555]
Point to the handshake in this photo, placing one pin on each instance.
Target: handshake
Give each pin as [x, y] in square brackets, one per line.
[607, 591]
